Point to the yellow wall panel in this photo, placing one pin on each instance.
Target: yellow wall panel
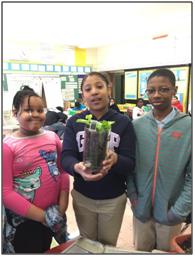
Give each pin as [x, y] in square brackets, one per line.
[80, 57]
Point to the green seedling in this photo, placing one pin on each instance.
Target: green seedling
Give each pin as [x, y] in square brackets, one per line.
[100, 125]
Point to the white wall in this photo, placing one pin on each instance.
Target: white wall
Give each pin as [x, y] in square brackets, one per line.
[39, 52]
[91, 57]
[148, 53]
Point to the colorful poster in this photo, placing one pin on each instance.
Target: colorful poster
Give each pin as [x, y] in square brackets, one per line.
[142, 84]
[181, 75]
[130, 85]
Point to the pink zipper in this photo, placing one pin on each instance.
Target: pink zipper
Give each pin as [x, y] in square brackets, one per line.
[156, 165]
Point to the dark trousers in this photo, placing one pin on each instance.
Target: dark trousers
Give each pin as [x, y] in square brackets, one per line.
[32, 237]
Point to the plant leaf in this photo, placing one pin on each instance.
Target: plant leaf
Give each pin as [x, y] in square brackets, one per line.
[100, 125]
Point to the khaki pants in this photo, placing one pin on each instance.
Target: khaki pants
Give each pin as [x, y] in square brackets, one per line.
[99, 220]
[152, 235]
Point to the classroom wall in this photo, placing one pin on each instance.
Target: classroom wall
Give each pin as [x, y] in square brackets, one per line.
[49, 53]
[128, 55]
[144, 53]
[91, 57]
[172, 50]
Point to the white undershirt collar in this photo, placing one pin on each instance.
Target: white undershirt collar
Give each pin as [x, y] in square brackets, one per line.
[168, 118]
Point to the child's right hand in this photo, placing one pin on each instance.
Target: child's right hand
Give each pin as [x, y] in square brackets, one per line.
[86, 173]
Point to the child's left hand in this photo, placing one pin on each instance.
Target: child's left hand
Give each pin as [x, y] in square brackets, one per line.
[87, 174]
[110, 160]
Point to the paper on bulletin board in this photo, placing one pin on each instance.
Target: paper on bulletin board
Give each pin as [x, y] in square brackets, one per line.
[130, 85]
[71, 85]
[68, 94]
[53, 95]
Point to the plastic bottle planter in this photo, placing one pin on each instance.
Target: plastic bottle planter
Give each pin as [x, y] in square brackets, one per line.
[95, 147]
[95, 142]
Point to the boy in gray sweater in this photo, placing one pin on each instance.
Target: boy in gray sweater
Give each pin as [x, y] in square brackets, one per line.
[160, 188]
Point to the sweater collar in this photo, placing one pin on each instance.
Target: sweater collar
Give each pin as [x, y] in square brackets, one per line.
[169, 117]
[178, 115]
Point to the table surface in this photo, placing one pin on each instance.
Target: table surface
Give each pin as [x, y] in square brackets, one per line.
[86, 246]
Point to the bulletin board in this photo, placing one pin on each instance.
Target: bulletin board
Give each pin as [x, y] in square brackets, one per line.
[182, 79]
[130, 92]
[69, 87]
